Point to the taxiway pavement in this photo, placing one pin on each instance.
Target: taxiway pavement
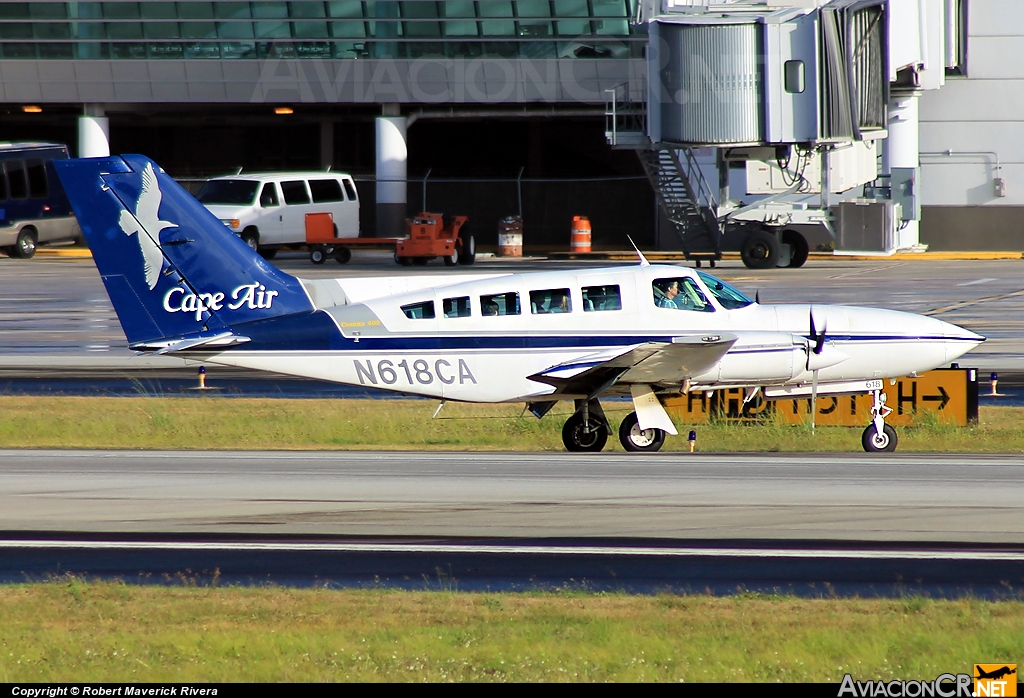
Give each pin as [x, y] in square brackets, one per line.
[963, 499]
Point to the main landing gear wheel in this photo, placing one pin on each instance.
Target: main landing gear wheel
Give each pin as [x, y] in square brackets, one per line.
[633, 438]
[798, 248]
[760, 250]
[576, 438]
[874, 442]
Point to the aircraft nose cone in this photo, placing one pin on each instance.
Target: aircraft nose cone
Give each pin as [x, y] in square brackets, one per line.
[959, 341]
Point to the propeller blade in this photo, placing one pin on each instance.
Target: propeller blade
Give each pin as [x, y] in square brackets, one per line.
[818, 339]
[757, 296]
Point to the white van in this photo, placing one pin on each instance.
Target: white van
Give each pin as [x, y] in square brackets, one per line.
[268, 211]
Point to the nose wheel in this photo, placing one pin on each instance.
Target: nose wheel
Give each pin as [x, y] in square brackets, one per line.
[879, 437]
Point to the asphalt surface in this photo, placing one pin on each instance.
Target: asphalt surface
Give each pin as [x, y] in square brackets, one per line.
[854, 525]
[964, 499]
[634, 566]
[57, 307]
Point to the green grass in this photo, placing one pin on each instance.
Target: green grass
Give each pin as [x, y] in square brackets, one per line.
[229, 423]
[69, 630]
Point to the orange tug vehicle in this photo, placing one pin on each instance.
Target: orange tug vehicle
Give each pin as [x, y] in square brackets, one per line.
[431, 235]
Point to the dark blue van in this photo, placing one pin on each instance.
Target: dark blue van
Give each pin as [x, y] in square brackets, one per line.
[33, 207]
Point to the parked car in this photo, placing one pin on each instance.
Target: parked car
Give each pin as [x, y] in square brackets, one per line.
[268, 211]
[34, 210]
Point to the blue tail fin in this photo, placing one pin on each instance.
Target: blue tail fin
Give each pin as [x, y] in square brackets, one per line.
[172, 269]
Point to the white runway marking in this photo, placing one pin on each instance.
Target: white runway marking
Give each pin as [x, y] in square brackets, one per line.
[867, 271]
[975, 282]
[410, 548]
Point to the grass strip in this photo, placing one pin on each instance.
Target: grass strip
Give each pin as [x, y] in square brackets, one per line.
[70, 630]
[267, 424]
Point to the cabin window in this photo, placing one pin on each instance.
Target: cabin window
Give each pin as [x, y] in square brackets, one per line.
[456, 307]
[350, 189]
[554, 300]
[16, 178]
[37, 179]
[596, 298]
[680, 294]
[419, 311]
[228, 192]
[500, 304]
[295, 193]
[325, 191]
[729, 297]
[268, 197]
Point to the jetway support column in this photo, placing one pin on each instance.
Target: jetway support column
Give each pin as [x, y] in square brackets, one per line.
[902, 149]
[392, 158]
[93, 133]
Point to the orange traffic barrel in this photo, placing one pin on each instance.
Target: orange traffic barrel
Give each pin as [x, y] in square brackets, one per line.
[580, 239]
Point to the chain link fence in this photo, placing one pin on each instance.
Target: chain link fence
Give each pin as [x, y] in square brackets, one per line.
[616, 206]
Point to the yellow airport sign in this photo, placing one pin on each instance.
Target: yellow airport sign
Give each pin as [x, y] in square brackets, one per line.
[948, 395]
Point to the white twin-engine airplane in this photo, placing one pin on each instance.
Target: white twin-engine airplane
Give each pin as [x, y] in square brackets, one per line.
[183, 284]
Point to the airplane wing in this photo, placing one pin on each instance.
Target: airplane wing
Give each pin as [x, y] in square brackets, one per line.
[650, 363]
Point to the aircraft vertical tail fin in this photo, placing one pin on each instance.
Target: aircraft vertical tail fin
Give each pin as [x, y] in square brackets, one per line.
[172, 269]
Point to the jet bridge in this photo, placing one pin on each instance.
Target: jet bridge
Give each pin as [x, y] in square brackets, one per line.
[796, 95]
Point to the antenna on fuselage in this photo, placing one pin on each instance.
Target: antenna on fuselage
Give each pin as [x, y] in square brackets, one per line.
[643, 260]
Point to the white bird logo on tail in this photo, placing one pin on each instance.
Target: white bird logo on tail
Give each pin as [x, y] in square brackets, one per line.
[146, 222]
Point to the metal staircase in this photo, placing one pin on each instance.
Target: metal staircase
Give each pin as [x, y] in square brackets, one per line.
[686, 199]
[675, 175]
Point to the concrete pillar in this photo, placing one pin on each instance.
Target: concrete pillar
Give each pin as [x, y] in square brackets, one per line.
[326, 145]
[902, 149]
[392, 157]
[93, 133]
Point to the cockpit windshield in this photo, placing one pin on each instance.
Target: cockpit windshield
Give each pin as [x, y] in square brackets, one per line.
[729, 297]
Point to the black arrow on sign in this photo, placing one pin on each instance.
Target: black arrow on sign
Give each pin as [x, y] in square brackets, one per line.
[943, 398]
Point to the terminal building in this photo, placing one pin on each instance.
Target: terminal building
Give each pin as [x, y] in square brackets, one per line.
[546, 108]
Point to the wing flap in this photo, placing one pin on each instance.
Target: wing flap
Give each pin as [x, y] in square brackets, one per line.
[648, 363]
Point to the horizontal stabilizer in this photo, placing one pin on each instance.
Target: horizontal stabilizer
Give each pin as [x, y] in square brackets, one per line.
[217, 341]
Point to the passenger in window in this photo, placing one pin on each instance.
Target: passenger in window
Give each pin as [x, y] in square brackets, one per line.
[559, 303]
[489, 308]
[665, 292]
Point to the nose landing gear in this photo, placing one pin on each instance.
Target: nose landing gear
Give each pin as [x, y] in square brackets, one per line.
[879, 436]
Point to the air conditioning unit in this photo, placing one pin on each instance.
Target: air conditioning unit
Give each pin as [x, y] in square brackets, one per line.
[865, 225]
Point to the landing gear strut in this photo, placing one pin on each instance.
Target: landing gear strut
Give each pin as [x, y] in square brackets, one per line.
[587, 429]
[879, 436]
